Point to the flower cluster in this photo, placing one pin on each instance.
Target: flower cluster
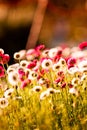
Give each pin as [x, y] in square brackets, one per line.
[44, 89]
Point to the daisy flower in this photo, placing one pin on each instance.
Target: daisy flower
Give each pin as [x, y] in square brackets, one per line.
[46, 64]
[24, 83]
[6, 58]
[2, 72]
[1, 51]
[84, 70]
[36, 68]
[62, 61]
[41, 81]
[56, 67]
[13, 78]
[30, 54]
[73, 70]
[71, 61]
[75, 81]
[57, 80]
[84, 78]
[52, 52]
[45, 53]
[51, 90]
[82, 64]
[66, 52]
[20, 55]
[32, 64]
[37, 88]
[73, 91]
[63, 85]
[21, 73]
[27, 71]
[23, 54]
[17, 56]
[15, 65]
[77, 54]
[32, 75]
[1, 58]
[43, 95]
[10, 70]
[83, 45]
[8, 92]
[40, 47]
[24, 63]
[3, 102]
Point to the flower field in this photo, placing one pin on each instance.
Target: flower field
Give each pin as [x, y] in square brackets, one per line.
[44, 89]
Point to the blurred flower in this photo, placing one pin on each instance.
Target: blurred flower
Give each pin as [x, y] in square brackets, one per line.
[24, 63]
[37, 88]
[52, 52]
[73, 91]
[23, 54]
[45, 53]
[46, 64]
[51, 90]
[31, 54]
[3, 102]
[1, 51]
[56, 67]
[82, 64]
[83, 45]
[43, 95]
[41, 81]
[71, 61]
[73, 70]
[13, 78]
[40, 48]
[17, 56]
[63, 85]
[62, 61]
[6, 59]
[32, 75]
[8, 92]
[2, 71]
[84, 78]
[32, 64]
[24, 83]
[75, 81]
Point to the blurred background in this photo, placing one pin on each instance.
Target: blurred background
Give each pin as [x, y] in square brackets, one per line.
[27, 23]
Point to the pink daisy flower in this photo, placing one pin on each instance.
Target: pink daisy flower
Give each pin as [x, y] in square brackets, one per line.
[2, 73]
[63, 85]
[83, 45]
[57, 80]
[6, 58]
[71, 61]
[25, 83]
[32, 64]
[40, 47]
[1, 58]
